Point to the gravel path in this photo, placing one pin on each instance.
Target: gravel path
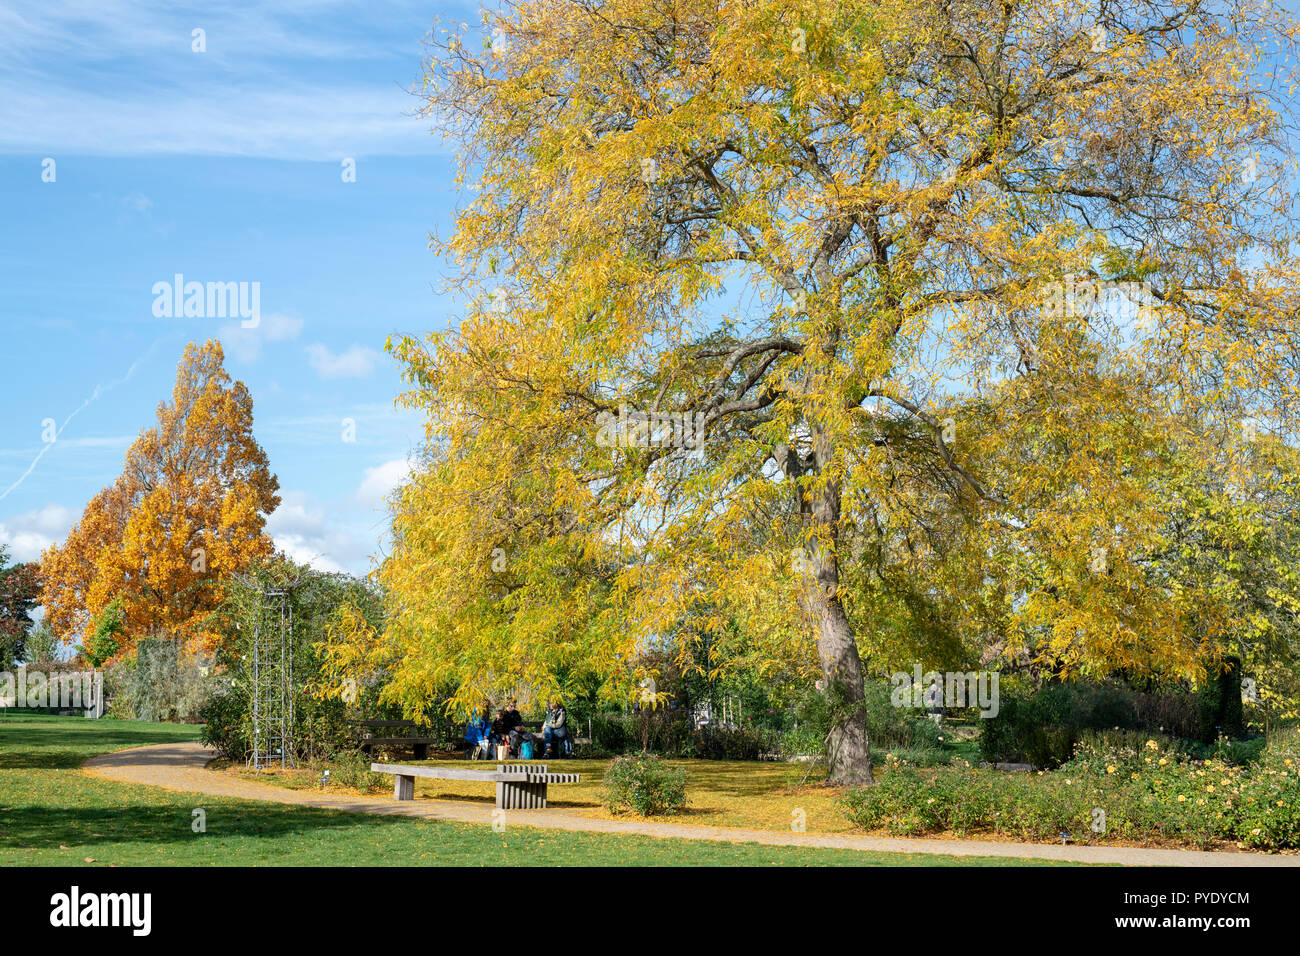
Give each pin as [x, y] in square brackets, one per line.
[181, 767]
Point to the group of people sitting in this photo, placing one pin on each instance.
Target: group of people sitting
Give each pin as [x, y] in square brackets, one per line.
[483, 735]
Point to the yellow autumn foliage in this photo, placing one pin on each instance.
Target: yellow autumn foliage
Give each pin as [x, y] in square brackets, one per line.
[924, 276]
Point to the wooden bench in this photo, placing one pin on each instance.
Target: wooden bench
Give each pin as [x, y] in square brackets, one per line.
[520, 786]
[534, 727]
[419, 745]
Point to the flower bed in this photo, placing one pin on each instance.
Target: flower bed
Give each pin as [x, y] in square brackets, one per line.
[1118, 788]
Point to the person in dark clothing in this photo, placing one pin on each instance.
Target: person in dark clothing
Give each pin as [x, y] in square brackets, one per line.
[501, 728]
[511, 713]
[514, 724]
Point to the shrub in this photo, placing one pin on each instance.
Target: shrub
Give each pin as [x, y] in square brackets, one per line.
[120, 690]
[1042, 729]
[889, 728]
[612, 734]
[321, 729]
[159, 682]
[645, 784]
[1149, 788]
[726, 743]
[1172, 712]
[352, 769]
[226, 726]
[805, 739]
[672, 735]
[170, 684]
[1219, 702]
[1125, 750]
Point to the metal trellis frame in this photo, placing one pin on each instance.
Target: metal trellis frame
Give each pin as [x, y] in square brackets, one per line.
[273, 688]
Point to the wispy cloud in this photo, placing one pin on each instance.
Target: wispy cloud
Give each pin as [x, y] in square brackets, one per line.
[138, 202]
[246, 344]
[276, 80]
[356, 362]
[120, 442]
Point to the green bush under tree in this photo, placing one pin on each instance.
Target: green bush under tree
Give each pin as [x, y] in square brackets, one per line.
[644, 784]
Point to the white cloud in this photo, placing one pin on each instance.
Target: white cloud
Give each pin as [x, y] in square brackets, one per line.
[303, 552]
[246, 344]
[379, 482]
[303, 532]
[28, 534]
[138, 201]
[356, 362]
[294, 124]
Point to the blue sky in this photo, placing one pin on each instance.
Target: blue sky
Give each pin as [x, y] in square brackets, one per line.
[225, 166]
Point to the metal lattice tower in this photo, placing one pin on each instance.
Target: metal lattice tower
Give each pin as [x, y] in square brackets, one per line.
[273, 689]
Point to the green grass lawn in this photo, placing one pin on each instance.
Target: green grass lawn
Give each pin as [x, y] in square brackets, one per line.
[53, 815]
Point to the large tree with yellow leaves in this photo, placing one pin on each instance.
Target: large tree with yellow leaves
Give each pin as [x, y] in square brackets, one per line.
[188, 511]
[908, 265]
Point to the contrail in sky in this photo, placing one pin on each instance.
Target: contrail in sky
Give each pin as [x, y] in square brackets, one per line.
[99, 390]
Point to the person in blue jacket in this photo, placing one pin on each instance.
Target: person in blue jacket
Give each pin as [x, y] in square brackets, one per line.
[478, 733]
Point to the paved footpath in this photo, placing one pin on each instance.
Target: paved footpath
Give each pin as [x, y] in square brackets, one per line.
[181, 767]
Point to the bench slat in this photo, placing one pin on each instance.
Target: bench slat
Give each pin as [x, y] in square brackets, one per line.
[389, 741]
[443, 773]
[455, 773]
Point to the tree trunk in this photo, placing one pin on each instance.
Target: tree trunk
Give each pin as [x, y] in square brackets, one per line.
[848, 752]
[848, 748]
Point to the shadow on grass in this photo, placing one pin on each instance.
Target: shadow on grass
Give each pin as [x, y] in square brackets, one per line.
[26, 827]
[50, 743]
[42, 759]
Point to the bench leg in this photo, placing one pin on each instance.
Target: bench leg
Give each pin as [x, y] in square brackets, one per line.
[521, 796]
[403, 787]
[421, 751]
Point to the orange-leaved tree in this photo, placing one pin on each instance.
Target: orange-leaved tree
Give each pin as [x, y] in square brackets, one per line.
[188, 510]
